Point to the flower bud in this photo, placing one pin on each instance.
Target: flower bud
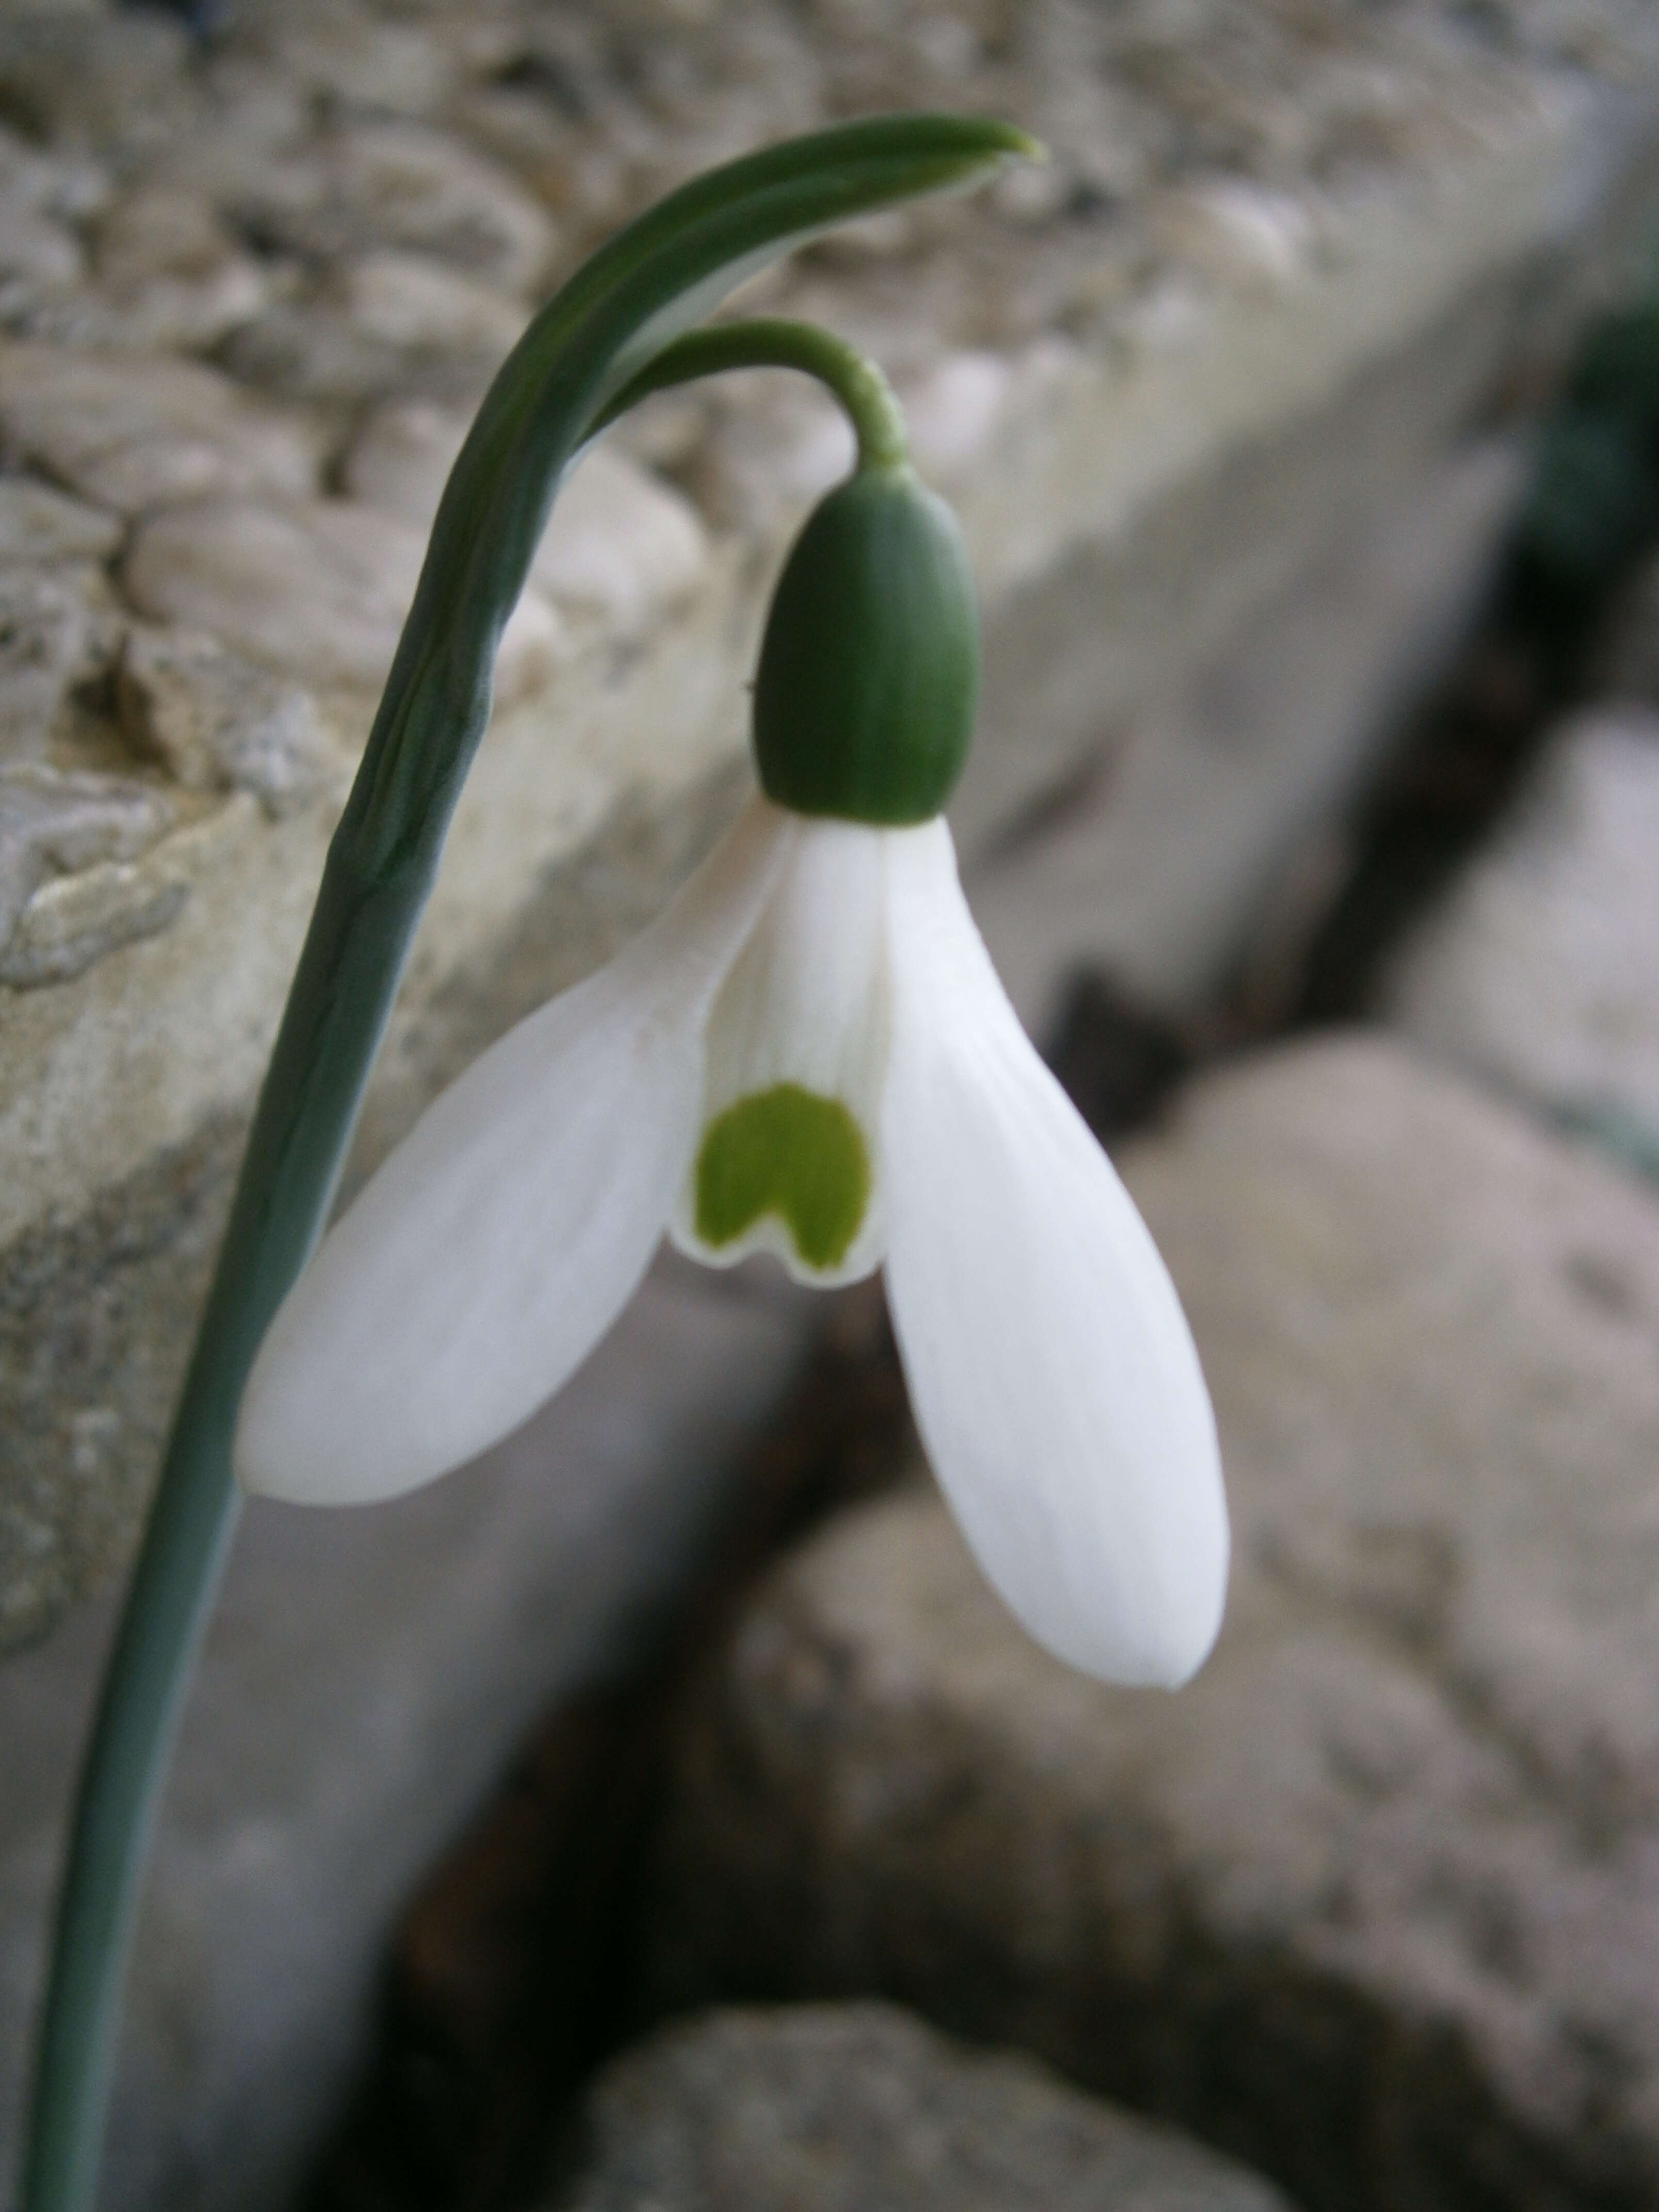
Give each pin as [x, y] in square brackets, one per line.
[869, 672]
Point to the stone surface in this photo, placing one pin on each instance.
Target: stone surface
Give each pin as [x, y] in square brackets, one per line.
[58, 822]
[382, 321]
[1540, 970]
[1371, 1903]
[367, 1678]
[831, 2108]
[37, 524]
[1264, 743]
[318, 586]
[51, 638]
[399, 184]
[621, 545]
[172, 273]
[220, 723]
[118, 85]
[137, 432]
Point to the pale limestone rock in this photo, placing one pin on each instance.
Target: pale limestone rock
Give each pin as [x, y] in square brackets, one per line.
[36, 254]
[312, 351]
[113, 84]
[169, 272]
[218, 722]
[1371, 1901]
[1540, 970]
[409, 300]
[776, 444]
[1186, 816]
[138, 432]
[952, 411]
[319, 587]
[385, 321]
[404, 186]
[73, 920]
[41, 525]
[1238, 235]
[61, 823]
[400, 460]
[50, 636]
[621, 545]
[70, 188]
[397, 68]
[256, 117]
[828, 2108]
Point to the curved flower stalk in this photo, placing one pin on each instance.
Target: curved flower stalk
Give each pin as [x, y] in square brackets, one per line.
[604, 330]
[808, 1055]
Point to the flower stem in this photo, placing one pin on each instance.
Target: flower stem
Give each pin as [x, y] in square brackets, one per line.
[770, 342]
[633, 297]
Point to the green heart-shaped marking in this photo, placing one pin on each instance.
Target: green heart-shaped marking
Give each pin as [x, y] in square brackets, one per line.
[789, 1151]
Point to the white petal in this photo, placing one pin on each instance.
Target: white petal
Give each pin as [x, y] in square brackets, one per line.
[807, 1002]
[1052, 1371]
[498, 1243]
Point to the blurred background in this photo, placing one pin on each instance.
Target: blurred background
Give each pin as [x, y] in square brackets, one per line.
[660, 1812]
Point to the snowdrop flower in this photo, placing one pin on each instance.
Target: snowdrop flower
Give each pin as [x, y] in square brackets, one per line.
[808, 1054]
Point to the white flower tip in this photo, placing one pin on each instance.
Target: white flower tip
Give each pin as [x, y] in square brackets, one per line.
[302, 1440]
[1184, 1633]
[1140, 1608]
[1054, 1380]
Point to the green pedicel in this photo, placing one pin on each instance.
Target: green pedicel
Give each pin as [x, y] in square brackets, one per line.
[788, 1151]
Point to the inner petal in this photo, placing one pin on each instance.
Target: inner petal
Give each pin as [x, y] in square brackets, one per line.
[790, 1152]
[795, 1063]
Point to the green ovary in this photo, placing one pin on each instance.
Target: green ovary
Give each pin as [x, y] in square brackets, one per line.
[790, 1152]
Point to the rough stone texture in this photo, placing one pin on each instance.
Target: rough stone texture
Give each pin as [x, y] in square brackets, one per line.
[319, 586]
[832, 2108]
[1372, 1902]
[385, 319]
[219, 723]
[39, 524]
[1255, 752]
[1274, 265]
[394, 183]
[137, 432]
[367, 1678]
[1539, 972]
[621, 547]
[171, 273]
[57, 823]
[94, 80]
[49, 639]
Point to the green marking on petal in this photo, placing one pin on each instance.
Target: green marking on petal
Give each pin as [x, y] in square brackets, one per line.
[789, 1151]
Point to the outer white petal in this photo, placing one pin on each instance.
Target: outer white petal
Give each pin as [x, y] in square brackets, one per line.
[1052, 1371]
[497, 1243]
